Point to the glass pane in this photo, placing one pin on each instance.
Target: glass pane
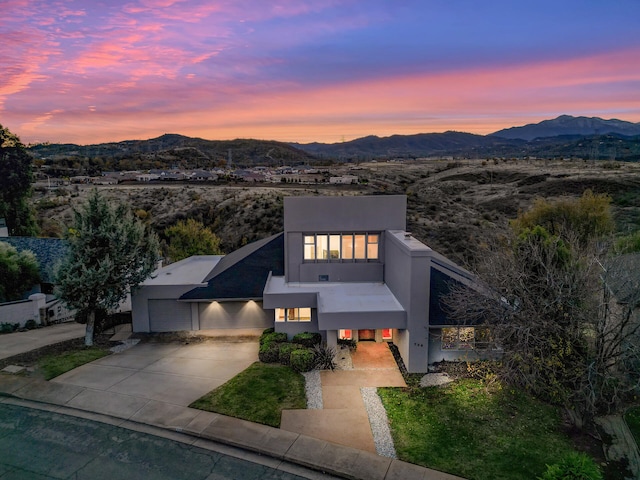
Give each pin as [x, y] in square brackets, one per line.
[309, 247]
[291, 315]
[386, 334]
[279, 314]
[304, 314]
[322, 244]
[483, 338]
[347, 247]
[334, 246]
[344, 334]
[359, 247]
[466, 335]
[449, 338]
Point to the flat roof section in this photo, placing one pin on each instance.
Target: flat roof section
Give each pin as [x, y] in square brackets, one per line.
[190, 271]
[341, 297]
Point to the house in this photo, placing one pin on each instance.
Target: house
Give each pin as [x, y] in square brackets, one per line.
[344, 180]
[344, 267]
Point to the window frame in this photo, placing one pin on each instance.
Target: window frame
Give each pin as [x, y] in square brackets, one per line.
[293, 315]
[463, 341]
[344, 247]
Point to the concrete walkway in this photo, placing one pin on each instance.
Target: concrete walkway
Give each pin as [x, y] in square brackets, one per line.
[21, 342]
[373, 366]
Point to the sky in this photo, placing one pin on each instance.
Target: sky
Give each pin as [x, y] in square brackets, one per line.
[93, 71]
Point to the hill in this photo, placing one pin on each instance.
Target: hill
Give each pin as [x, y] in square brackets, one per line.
[569, 125]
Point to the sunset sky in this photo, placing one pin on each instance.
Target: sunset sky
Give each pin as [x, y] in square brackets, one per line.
[91, 71]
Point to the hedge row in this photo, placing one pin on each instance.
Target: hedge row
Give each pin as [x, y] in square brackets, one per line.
[303, 353]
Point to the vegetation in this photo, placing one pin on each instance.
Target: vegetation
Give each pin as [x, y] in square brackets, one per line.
[15, 185]
[632, 417]
[305, 353]
[259, 394]
[110, 251]
[18, 271]
[565, 338]
[469, 430]
[574, 466]
[190, 237]
[56, 364]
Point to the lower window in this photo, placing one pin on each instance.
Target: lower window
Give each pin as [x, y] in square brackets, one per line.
[387, 334]
[293, 314]
[465, 338]
[345, 335]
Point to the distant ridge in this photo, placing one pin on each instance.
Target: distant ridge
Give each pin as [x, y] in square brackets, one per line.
[569, 125]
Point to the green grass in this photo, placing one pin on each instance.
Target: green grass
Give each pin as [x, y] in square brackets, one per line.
[259, 394]
[53, 365]
[465, 430]
[633, 420]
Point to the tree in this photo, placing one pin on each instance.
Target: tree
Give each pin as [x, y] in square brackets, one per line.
[110, 252]
[553, 304]
[18, 271]
[191, 238]
[15, 185]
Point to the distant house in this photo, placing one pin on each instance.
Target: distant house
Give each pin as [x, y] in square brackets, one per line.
[344, 179]
[344, 267]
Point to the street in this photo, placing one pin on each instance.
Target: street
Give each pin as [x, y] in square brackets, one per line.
[36, 444]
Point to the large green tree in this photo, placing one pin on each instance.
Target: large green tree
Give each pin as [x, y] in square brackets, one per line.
[552, 298]
[15, 185]
[18, 272]
[187, 238]
[111, 251]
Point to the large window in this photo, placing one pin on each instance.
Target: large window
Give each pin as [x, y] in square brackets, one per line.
[293, 314]
[340, 247]
[465, 338]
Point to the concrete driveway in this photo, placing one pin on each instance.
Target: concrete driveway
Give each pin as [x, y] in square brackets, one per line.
[150, 374]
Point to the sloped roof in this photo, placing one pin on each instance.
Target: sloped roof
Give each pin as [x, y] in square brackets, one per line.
[48, 251]
[441, 285]
[242, 274]
[622, 275]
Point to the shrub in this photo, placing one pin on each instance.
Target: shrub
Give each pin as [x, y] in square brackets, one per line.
[6, 327]
[273, 337]
[269, 352]
[303, 360]
[325, 357]
[308, 339]
[574, 466]
[285, 350]
[352, 344]
[30, 324]
[265, 333]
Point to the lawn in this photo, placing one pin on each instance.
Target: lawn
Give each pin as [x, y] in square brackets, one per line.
[56, 364]
[466, 430]
[258, 394]
[633, 420]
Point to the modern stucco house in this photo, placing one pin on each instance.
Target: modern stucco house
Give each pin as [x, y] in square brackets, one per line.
[344, 267]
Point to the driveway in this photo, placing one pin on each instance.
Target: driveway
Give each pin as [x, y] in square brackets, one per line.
[151, 374]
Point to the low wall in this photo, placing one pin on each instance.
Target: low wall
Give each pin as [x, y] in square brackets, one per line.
[17, 312]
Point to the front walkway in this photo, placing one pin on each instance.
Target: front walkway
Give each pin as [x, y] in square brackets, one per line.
[344, 418]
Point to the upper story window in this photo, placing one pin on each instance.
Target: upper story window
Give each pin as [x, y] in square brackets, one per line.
[341, 246]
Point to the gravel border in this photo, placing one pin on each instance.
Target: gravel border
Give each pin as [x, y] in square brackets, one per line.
[313, 389]
[379, 422]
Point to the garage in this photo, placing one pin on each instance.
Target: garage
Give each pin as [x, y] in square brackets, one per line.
[169, 316]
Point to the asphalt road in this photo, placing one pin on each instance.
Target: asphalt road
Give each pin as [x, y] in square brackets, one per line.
[36, 444]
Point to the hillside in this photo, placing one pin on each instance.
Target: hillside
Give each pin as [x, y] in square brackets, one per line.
[454, 207]
[568, 125]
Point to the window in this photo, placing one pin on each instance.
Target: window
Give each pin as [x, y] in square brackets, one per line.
[386, 334]
[293, 314]
[345, 335]
[465, 338]
[340, 247]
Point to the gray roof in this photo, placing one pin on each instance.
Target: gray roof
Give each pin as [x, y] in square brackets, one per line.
[622, 275]
[48, 251]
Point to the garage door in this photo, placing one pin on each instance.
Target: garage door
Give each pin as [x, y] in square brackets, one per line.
[169, 316]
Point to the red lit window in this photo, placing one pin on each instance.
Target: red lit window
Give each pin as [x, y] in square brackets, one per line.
[345, 334]
[386, 334]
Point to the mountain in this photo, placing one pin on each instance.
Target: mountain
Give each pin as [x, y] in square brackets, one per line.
[422, 144]
[569, 125]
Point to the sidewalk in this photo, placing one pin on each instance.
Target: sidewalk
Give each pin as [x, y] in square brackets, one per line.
[21, 342]
[320, 455]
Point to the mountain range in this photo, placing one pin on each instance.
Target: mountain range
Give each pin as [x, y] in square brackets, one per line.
[564, 136]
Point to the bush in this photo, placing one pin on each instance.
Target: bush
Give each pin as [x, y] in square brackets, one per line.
[574, 466]
[265, 333]
[352, 344]
[325, 357]
[273, 337]
[30, 324]
[303, 360]
[6, 327]
[308, 339]
[285, 352]
[269, 352]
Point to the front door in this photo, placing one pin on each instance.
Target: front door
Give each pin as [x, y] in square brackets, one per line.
[366, 335]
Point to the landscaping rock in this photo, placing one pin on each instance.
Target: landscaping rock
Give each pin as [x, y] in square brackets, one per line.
[435, 379]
